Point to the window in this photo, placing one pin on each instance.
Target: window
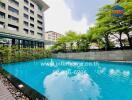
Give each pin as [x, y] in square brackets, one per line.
[2, 25]
[2, 15]
[12, 18]
[40, 34]
[25, 23]
[40, 22]
[32, 12]
[25, 30]
[26, 16]
[31, 25]
[25, 8]
[31, 5]
[26, 2]
[39, 16]
[13, 27]
[14, 2]
[13, 10]
[2, 5]
[40, 28]
[32, 19]
[32, 32]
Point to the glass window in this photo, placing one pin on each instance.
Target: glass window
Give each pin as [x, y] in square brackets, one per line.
[40, 28]
[14, 2]
[2, 15]
[32, 32]
[13, 18]
[31, 5]
[32, 12]
[39, 16]
[25, 23]
[32, 19]
[26, 2]
[26, 16]
[25, 8]
[13, 27]
[31, 25]
[2, 25]
[2, 5]
[25, 30]
[13, 10]
[40, 22]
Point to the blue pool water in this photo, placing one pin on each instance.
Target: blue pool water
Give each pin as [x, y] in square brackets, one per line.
[61, 79]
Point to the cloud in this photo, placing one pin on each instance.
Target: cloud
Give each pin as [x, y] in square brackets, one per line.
[59, 18]
[76, 15]
[86, 8]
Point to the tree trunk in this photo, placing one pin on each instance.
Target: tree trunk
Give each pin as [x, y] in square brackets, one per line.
[71, 46]
[107, 45]
[78, 45]
[129, 39]
[120, 41]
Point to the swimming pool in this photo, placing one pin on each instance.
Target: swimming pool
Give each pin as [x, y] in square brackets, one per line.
[62, 79]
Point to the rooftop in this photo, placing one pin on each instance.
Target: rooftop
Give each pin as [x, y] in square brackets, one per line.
[41, 4]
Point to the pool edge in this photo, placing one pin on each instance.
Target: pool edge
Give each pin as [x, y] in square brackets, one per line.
[31, 93]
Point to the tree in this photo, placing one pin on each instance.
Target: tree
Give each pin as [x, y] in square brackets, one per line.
[114, 25]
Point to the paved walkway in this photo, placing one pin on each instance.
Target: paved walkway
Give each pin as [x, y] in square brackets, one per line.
[4, 93]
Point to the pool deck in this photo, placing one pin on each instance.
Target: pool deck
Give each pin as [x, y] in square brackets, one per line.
[4, 93]
[123, 61]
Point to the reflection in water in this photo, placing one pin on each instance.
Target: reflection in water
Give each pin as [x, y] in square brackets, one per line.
[60, 86]
[117, 72]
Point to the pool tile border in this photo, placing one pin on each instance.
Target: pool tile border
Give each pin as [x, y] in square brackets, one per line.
[31, 93]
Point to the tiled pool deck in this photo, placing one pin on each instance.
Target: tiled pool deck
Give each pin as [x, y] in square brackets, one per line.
[4, 93]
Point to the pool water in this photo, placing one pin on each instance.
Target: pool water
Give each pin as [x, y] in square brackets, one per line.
[61, 79]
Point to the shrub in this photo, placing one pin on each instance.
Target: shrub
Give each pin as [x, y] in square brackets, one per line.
[15, 54]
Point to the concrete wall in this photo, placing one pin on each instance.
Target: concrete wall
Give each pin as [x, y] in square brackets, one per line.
[117, 55]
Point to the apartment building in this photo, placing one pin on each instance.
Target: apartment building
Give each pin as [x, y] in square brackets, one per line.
[51, 38]
[22, 21]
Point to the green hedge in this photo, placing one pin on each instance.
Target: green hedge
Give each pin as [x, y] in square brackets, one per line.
[15, 54]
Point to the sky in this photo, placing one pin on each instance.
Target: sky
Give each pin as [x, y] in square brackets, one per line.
[74, 15]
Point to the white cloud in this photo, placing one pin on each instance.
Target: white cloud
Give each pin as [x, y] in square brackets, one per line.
[59, 18]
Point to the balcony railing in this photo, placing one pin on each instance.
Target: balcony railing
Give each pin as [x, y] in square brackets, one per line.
[2, 5]
[2, 17]
[2, 26]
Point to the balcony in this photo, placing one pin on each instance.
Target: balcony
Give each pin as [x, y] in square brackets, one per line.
[13, 20]
[32, 19]
[13, 27]
[2, 16]
[31, 12]
[32, 32]
[25, 23]
[26, 2]
[32, 26]
[40, 17]
[40, 23]
[25, 30]
[2, 25]
[32, 5]
[2, 5]
[13, 11]
[14, 3]
[26, 9]
[40, 34]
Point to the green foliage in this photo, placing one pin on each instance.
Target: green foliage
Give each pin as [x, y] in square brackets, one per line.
[106, 25]
[15, 54]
